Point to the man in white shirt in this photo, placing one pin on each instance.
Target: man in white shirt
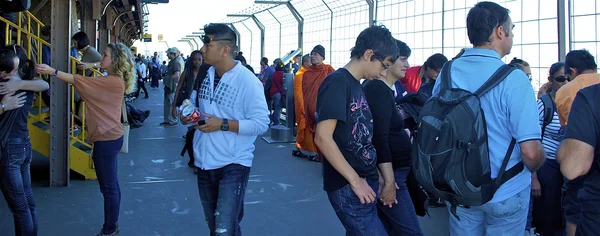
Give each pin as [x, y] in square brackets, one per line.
[140, 67]
[233, 104]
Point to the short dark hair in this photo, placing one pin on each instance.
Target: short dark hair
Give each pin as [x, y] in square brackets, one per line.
[279, 67]
[517, 61]
[306, 58]
[403, 49]
[26, 67]
[265, 60]
[377, 38]
[6, 60]
[435, 61]
[555, 68]
[224, 34]
[46, 30]
[581, 60]
[482, 19]
[82, 40]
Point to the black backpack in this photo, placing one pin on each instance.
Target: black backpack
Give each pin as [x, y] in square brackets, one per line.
[450, 151]
[549, 108]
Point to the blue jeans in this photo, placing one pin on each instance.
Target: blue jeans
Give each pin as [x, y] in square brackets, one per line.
[222, 194]
[15, 183]
[506, 217]
[401, 219]
[358, 219]
[105, 161]
[277, 107]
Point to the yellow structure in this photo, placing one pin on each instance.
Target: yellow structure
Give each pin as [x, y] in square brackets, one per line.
[27, 30]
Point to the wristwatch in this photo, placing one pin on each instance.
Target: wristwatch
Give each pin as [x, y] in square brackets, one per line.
[225, 125]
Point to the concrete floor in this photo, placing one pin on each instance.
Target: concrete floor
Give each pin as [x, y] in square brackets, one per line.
[160, 195]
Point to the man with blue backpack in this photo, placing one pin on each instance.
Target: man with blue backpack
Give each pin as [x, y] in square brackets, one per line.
[466, 148]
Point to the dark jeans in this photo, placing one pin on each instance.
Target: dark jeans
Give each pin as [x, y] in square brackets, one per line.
[105, 161]
[547, 209]
[358, 219]
[401, 219]
[15, 183]
[277, 107]
[222, 194]
[570, 201]
[141, 86]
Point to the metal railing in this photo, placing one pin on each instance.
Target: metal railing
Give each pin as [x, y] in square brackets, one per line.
[29, 26]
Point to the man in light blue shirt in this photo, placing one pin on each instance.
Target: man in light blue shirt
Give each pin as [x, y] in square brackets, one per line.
[510, 111]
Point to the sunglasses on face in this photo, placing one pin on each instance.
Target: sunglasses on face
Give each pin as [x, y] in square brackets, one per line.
[560, 78]
[207, 40]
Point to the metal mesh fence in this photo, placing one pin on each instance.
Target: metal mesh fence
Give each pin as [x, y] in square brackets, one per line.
[427, 26]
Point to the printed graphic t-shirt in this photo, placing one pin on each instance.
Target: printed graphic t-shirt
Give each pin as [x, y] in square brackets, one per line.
[341, 98]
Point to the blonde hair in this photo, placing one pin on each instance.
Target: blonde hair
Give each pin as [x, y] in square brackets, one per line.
[123, 66]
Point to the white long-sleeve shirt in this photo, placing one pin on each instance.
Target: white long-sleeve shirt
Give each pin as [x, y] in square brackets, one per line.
[239, 96]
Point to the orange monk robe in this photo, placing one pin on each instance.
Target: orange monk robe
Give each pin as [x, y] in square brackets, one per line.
[304, 138]
[311, 81]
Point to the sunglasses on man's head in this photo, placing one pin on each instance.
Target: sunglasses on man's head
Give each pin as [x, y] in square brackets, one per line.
[207, 40]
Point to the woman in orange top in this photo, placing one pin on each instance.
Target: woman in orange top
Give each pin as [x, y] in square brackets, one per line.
[104, 96]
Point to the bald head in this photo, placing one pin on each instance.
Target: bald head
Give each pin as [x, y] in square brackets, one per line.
[306, 60]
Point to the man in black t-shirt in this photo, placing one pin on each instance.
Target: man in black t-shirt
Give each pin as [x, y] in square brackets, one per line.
[345, 129]
[579, 155]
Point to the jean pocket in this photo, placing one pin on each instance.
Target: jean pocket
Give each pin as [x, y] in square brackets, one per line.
[509, 207]
[338, 198]
[14, 154]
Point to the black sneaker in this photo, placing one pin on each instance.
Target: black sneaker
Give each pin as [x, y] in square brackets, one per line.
[298, 153]
[314, 158]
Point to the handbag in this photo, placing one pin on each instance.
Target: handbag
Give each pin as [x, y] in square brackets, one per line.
[125, 122]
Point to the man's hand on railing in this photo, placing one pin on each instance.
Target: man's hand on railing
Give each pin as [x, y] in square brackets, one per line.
[12, 85]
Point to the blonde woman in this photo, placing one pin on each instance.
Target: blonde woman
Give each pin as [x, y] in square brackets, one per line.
[104, 97]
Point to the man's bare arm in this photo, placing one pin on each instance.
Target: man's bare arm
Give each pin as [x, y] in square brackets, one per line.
[575, 158]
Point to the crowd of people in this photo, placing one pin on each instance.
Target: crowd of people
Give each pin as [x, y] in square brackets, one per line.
[468, 133]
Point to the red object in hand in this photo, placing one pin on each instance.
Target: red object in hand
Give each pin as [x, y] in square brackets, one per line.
[191, 113]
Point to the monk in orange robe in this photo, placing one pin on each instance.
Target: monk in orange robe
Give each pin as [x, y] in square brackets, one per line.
[311, 81]
[304, 138]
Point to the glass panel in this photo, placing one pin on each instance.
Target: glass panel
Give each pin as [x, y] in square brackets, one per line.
[583, 7]
[530, 8]
[548, 54]
[530, 31]
[548, 31]
[582, 30]
[548, 10]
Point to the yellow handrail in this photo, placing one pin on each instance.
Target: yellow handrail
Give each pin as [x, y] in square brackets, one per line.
[39, 42]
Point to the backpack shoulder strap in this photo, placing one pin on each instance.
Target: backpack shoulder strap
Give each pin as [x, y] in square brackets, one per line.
[446, 82]
[495, 79]
[548, 110]
[503, 174]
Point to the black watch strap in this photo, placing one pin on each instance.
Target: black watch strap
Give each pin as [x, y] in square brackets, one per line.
[225, 125]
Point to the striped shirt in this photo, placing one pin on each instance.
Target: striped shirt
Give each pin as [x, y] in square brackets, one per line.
[551, 139]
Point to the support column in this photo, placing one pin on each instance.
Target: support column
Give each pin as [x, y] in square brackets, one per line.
[330, 28]
[103, 34]
[278, 22]
[300, 21]
[237, 35]
[87, 20]
[59, 97]
[262, 35]
[371, 5]
[563, 22]
[251, 43]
